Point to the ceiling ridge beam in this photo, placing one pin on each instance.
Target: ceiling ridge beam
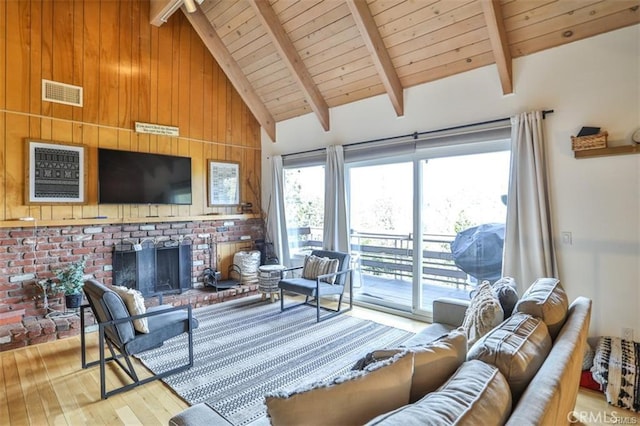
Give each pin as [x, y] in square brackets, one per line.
[378, 51]
[292, 59]
[161, 10]
[499, 43]
[234, 73]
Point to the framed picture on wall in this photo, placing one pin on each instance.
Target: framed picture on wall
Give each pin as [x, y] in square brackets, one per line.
[224, 183]
[55, 173]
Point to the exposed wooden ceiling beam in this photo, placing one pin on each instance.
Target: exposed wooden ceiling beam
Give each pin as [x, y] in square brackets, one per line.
[499, 44]
[161, 10]
[234, 73]
[292, 59]
[372, 39]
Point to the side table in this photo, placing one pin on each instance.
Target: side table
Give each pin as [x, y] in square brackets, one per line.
[268, 278]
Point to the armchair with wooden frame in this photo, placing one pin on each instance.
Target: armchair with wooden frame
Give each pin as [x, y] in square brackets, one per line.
[329, 284]
[116, 330]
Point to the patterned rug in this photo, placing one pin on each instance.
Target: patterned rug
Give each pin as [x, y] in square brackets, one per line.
[247, 347]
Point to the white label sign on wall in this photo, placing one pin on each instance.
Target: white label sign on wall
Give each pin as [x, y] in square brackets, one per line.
[156, 129]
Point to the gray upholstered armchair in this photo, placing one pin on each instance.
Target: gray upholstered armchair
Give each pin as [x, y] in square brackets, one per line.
[316, 282]
[116, 329]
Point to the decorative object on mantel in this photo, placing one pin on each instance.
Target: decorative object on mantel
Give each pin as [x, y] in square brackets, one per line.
[636, 136]
[589, 138]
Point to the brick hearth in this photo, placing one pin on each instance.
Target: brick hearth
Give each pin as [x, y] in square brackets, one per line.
[32, 330]
[28, 254]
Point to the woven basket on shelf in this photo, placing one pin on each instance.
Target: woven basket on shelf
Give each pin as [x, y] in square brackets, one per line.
[580, 143]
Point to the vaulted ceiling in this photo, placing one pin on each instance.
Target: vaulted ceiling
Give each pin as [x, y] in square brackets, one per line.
[287, 58]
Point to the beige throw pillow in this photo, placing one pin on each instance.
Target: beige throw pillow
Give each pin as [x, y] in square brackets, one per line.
[352, 399]
[483, 314]
[518, 347]
[476, 394]
[547, 300]
[315, 266]
[134, 301]
[433, 363]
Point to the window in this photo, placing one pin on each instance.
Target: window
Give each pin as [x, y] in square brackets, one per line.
[304, 208]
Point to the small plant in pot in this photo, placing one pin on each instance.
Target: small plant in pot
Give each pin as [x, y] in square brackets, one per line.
[70, 282]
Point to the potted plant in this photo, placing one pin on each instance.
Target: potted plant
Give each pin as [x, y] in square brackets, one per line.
[70, 282]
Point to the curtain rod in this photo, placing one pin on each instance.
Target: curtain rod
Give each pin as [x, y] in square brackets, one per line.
[415, 135]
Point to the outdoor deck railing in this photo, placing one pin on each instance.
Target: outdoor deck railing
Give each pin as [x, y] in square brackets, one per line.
[391, 255]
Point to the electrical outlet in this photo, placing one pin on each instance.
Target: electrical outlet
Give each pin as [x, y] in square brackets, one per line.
[627, 333]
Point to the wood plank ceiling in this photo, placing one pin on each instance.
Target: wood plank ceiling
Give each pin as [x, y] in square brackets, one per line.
[287, 58]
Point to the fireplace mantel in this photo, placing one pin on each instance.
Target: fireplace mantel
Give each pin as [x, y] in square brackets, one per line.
[18, 223]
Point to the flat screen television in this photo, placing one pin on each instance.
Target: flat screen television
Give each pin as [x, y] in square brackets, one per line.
[126, 177]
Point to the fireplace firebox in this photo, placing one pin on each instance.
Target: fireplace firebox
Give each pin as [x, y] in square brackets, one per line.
[153, 268]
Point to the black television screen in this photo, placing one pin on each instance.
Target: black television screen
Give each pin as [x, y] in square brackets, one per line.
[126, 177]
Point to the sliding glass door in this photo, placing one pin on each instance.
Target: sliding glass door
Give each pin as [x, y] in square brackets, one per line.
[405, 215]
[381, 220]
[463, 212]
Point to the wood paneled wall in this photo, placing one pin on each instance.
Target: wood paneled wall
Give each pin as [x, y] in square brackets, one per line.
[130, 71]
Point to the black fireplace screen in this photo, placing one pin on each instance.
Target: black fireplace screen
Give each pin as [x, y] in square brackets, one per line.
[153, 268]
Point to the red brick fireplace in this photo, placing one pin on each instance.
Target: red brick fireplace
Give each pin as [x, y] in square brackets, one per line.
[30, 253]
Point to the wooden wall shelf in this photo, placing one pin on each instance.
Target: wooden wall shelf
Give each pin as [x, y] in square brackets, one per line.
[119, 220]
[605, 152]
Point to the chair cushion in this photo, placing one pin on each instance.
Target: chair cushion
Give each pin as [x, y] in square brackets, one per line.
[547, 300]
[315, 266]
[161, 327]
[108, 305]
[505, 291]
[308, 287]
[484, 313]
[518, 347]
[134, 301]
[433, 362]
[476, 394]
[352, 399]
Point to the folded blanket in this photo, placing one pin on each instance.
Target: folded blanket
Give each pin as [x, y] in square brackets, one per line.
[616, 366]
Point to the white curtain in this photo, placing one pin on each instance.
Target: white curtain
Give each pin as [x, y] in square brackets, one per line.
[528, 247]
[277, 225]
[336, 227]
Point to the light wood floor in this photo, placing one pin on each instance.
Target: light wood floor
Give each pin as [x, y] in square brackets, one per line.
[44, 384]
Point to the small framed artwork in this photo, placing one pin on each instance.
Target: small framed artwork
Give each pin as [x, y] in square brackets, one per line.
[55, 173]
[224, 183]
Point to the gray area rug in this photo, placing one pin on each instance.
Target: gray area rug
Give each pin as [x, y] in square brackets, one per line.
[245, 348]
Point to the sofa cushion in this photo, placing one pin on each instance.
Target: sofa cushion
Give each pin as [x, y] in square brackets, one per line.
[484, 313]
[518, 347]
[134, 301]
[433, 362]
[476, 394]
[547, 300]
[315, 266]
[354, 398]
[505, 291]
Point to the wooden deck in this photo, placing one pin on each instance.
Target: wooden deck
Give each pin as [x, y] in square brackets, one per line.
[400, 291]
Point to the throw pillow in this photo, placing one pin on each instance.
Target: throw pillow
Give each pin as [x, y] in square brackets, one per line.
[484, 313]
[518, 347]
[547, 300]
[134, 301]
[476, 394]
[352, 399]
[315, 266]
[433, 363]
[505, 291]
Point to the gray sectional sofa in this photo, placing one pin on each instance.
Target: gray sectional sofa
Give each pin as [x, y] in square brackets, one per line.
[525, 371]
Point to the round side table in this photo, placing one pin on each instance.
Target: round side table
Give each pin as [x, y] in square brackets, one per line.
[268, 278]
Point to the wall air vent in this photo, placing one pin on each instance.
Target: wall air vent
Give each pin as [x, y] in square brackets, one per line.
[53, 91]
